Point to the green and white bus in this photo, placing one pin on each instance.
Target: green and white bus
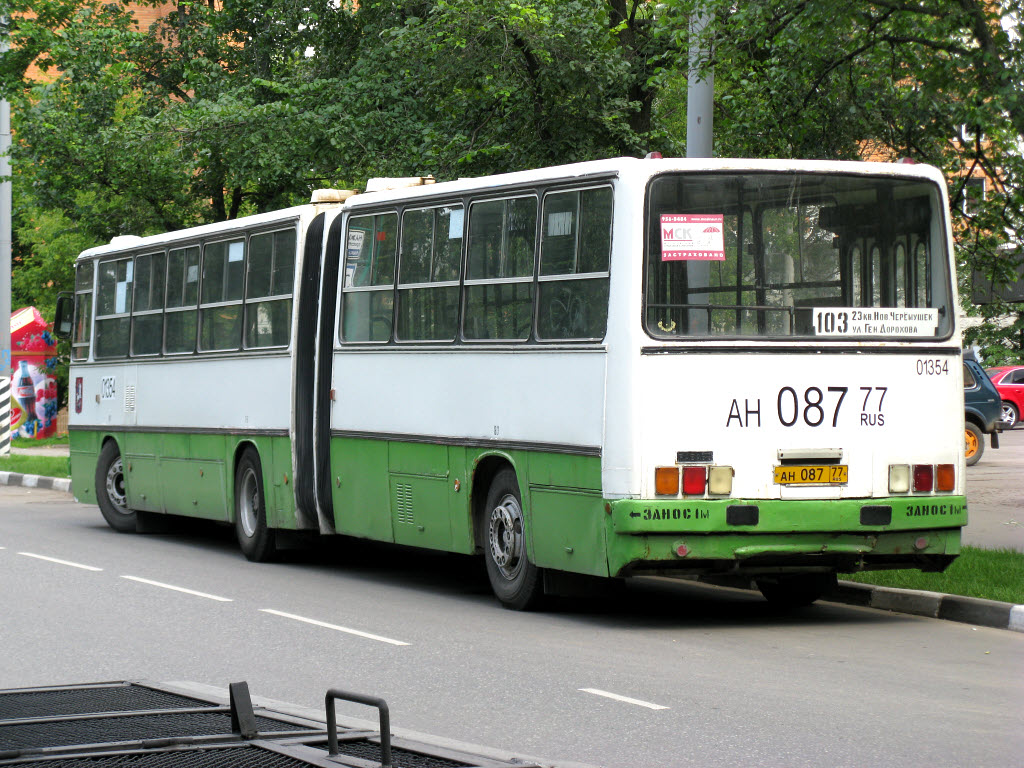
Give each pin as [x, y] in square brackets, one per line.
[714, 369]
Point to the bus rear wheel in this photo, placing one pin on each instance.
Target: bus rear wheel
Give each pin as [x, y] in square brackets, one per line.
[111, 496]
[797, 590]
[256, 540]
[516, 582]
[974, 445]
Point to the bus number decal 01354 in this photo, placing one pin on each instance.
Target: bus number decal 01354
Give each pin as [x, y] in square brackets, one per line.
[814, 407]
[108, 388]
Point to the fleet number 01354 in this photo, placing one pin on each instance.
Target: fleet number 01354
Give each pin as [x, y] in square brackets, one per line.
[932, 366]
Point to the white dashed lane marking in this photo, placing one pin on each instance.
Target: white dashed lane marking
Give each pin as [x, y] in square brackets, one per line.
[335, 627]
[178, 589]
[60, 562]
[624, 699]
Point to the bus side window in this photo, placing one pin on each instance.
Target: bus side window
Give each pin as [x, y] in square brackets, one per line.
[220, 305]
[367, 297]
[82, 331]
[180, 319]
[430, 264]
[574, 261]
[148, 304]
[114, 306]
[268, 289]
[499, 278]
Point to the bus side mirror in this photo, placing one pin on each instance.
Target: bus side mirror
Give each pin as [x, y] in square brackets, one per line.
[65, 321]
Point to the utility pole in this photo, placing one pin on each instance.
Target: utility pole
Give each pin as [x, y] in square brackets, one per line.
[5, 221]
[700, 100]
[700, 93]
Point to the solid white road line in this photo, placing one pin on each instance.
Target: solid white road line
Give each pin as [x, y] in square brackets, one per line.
[626, 699]
[178, 589]
[335, 627]
[60, 562]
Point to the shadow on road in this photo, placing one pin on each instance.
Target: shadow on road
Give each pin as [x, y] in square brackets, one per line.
[640, 603]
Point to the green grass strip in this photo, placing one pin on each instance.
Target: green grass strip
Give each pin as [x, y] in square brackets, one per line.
[994, 574]
[47, 466]
[31, 442]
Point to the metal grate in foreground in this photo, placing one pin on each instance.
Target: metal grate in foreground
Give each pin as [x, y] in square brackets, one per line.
[40, 733]
[235, 757]
[132, 725]
[81, 700]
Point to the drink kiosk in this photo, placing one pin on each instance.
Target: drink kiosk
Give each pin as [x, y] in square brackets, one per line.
[33, 386]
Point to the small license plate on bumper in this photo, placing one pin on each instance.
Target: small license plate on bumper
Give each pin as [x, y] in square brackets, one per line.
[821, 474]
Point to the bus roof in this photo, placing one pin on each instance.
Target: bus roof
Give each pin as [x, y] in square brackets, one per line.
[124, 243]
[635, 168]
[639, 169]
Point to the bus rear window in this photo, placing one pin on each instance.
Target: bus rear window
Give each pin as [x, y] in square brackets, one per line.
[783, 255]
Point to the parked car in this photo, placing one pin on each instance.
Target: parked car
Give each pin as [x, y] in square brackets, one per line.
[983, 411]
[1009, 381]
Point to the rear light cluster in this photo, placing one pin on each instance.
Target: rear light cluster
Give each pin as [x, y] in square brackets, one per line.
[693, 480]
[921, 478]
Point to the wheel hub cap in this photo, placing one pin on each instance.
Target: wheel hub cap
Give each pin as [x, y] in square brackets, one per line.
[115, 486]
[505, 535]
[248, 503]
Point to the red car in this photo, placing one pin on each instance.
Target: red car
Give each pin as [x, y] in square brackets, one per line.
[1009, 381]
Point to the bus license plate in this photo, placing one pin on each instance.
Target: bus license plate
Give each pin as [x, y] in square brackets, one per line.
[828, 474]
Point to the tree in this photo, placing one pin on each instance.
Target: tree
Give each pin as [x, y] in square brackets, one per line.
[938, 81]
[225, 108]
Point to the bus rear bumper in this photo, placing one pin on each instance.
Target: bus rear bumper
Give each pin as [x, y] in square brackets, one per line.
[784, 536]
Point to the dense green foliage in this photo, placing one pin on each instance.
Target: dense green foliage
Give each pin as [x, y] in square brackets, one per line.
[227, 108]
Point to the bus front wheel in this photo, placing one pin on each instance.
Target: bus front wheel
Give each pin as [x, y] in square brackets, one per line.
[797, 590]
[111, 495]
[515, 580]
[255, 539]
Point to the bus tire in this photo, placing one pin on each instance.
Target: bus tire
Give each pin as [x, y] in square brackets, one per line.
[256, 540]
[797, 590]
[111, 496]
[516, 582]
[974, 443]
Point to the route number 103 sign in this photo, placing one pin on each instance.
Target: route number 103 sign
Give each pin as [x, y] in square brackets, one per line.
[874, 321]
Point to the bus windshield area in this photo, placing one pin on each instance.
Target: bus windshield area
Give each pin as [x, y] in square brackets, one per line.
[784, 255]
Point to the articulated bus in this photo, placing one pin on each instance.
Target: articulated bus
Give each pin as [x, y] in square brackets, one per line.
[728, 370]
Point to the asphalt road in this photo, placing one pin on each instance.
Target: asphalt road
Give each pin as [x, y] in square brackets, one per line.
[704, 677]
[995, 495]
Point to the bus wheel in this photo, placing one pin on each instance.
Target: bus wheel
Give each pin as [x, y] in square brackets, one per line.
[975, 445]
[515, 580]
[256, 540]
[110, 492]
[798, 590]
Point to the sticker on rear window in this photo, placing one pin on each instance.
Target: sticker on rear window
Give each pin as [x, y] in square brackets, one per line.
[691, 237]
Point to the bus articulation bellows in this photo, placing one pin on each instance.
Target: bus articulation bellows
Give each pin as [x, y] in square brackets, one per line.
[718, 369]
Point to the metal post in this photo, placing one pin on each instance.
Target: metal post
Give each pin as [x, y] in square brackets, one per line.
[700, 93]
[5, 222]
[700, 98]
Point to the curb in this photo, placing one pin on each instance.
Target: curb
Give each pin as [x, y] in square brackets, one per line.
[36, 481]
[935, 605]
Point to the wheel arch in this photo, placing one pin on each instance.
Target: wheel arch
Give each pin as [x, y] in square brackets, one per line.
[485, 469]
[102, 443]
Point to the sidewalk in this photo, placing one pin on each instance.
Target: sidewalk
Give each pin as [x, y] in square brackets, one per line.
[42, 450]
